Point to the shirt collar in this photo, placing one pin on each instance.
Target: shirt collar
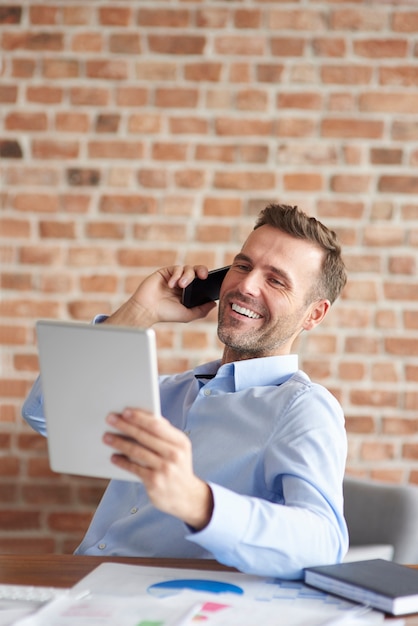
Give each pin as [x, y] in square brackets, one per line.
[270, 370]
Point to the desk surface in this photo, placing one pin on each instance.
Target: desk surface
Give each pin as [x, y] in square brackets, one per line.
[65, 570]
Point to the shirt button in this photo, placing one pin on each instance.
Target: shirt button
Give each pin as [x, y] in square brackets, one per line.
[134, 510]
[207, 392]
[102, 546]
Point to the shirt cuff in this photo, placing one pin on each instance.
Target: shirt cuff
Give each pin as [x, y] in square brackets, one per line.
[228, 525]
[98, 319]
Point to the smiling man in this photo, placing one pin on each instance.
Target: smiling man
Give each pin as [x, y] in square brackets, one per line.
[256, 482]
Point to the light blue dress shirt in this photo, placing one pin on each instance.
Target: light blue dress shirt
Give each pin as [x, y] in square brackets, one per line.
[272, 446]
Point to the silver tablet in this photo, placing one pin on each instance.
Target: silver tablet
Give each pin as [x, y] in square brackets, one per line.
[88, 371]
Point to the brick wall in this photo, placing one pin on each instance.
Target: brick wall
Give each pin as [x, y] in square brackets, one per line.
[141, 133]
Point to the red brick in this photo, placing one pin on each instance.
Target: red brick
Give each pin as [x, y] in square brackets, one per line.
[288, 46]
[133, 204]
[176, 44]
[26, 363]
[244, 180]
[346, 74]
[16, 281]
[377, 451]
[25, 545]
[303, 182]
[350, 183]
[405, 21]
[10, 14]
[49, 149]
[247, 18]
[352, 128]
[176, 97]
[78, 15]
[87, 42]
[156, 70]
[169, 152]
[69, 521]
[40, 255]
[72, 122]
[398, 184]
[383, 236]
[381, 48]
[358, 19]
[10, 227]
[115, 149]
[17, 519]
[240, 73]
[38, 203]
[401, 346]
[89, 96]
[401, 291]
[8, 94]
[153, 178]
[329, 46]
[60, 68]
[32, 176]
[23, 68]
[44, 94]
[360, 424]
[361, 345]
[297, 19]
[304, 100]
[386, 156]
[212, 233]
[161, 232]
[99, 283]
[144, 123]
[37, 41]
[190, 178]
[85, 310]
[188, 125]
[243, 127]
[125, 43]
[269, 72]
[107, 70]
[236, 44]
[56, 230]
[205, 71]
[41, 14]
[212, 17]
[404, 75]
[26, 121]
[133, 97]
[115, 16]
[17, 308]
[295, 127]
[146, 257]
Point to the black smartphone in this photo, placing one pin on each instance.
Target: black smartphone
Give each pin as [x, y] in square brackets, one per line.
[204, 290]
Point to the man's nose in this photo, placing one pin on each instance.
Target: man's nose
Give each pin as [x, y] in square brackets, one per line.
[250, 283]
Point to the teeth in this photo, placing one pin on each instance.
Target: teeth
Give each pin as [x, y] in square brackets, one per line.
[246, 312]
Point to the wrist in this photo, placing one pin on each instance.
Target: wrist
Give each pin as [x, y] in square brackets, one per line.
[131, 313]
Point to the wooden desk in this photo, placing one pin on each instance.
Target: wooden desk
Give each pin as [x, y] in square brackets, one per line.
[65, 570]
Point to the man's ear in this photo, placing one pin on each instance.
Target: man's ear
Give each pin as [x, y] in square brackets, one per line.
[316, 314]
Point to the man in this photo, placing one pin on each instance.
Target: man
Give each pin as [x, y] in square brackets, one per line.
[247, 467]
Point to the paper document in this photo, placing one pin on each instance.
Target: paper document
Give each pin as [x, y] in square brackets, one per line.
[226, 597]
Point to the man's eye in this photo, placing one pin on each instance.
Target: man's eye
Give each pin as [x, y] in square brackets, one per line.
[276, 282]
[242, 267]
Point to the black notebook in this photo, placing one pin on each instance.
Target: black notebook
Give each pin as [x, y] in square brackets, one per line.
[383, 585]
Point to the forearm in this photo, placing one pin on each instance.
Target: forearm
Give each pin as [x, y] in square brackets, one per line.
[265, 538]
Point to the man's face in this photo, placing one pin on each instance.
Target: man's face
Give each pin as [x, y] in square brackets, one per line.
[264, 300]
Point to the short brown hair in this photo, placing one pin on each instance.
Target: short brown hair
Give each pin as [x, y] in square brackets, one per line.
[294, 222]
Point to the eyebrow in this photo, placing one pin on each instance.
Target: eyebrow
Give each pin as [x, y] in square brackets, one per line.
[280, 273]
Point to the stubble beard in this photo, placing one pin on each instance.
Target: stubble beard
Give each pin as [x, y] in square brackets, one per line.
[267, 340]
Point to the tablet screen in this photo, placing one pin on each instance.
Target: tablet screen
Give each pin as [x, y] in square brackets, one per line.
[88, 371]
